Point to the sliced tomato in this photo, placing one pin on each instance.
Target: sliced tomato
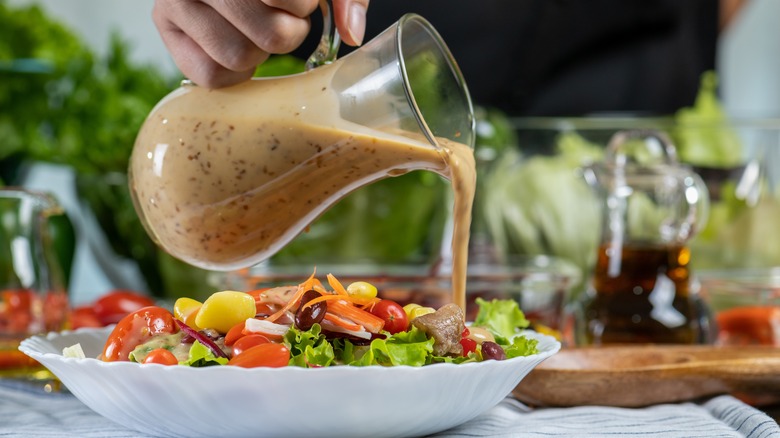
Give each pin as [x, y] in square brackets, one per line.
[135, 329]
[247, 342]
[235, 333]
[263, 355]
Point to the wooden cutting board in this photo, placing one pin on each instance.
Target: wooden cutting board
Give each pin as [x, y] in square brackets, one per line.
[634, 376]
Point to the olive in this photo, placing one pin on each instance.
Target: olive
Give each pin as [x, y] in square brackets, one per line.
[491, 350]
[307, 316]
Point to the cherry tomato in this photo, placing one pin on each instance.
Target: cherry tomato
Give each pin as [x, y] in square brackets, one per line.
[749, 325]
[235, 333]
[247, 342]
[135, 329]
[469, 346]
[263, 355]
[161, 356]
[393, 314]
[115, 305]
[16, 310]
[84, 316]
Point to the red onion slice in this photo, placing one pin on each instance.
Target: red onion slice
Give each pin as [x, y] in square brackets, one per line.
[202, 339]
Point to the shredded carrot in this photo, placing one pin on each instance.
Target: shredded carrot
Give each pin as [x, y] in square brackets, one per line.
[361, 303]
[346, 310]
[343, 323]
[302, 289]
[324, 297]
[366, 304]
[311, 281]
[336, 285]
[317, 285]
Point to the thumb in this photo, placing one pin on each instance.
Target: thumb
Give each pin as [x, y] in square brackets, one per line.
[350, 19]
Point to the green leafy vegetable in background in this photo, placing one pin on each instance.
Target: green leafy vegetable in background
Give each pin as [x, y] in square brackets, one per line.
[738, 230]
[542, 205]
[702, 132]
[539, 204]
[391, 221]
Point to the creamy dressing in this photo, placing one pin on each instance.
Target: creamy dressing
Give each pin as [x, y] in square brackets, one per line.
[224, 178]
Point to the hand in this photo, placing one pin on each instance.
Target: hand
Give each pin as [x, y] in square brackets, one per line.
[217, 43]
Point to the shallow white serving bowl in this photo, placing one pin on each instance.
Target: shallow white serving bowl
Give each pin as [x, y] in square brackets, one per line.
[290, 402]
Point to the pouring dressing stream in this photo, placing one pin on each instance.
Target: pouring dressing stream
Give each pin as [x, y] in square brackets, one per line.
[223, 179]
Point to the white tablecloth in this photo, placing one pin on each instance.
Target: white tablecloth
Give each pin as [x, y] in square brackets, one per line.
[29, 412]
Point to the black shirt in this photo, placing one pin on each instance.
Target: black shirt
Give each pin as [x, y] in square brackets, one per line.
[571, 57]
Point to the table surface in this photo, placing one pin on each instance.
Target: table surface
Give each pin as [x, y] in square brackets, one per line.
[27, 411]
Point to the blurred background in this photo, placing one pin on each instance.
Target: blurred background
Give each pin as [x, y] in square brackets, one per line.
[552, 81]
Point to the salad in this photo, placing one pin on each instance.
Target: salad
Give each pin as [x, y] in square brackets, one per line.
[314, 325]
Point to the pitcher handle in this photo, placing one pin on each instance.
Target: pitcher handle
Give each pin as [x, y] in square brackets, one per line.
[695, 210]
[328, 48]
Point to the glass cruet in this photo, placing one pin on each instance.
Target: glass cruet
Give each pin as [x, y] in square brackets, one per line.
[33, 297]
[640, 289]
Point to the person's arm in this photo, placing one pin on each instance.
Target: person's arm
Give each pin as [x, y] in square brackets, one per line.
[728, 10]
[216, 43]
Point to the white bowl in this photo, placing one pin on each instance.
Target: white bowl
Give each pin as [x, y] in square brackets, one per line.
[291, 402]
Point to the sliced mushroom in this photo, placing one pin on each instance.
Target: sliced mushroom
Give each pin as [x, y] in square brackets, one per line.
[445, 327]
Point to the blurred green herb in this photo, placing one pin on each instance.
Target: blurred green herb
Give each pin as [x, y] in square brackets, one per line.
[61, 103]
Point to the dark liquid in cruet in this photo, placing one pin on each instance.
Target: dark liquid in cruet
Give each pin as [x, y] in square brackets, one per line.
[641, 294]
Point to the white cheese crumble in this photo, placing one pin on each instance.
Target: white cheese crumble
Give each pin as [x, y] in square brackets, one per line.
[74, 351]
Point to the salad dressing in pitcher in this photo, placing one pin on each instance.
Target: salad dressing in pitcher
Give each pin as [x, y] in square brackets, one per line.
[222, 179]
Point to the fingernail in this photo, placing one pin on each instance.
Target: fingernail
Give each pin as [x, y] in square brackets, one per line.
[357, 22]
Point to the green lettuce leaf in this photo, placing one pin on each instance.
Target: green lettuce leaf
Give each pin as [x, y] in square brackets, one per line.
[521, 346]
[501, 317]
[309, 348]
[412, 348]
[201, 356]
[703, 134]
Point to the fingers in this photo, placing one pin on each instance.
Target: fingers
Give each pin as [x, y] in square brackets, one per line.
[350, 18]
[298, 8]
[273, 29]
[217, 43]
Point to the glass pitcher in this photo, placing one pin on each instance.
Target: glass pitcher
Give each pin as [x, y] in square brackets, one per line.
[640, 291]
[222, 179]
[33, 298]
